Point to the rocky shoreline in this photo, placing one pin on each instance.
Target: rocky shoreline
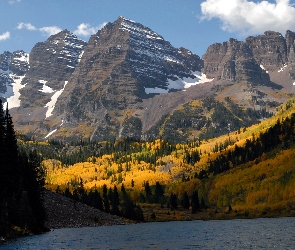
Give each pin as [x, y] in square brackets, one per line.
[63, 212]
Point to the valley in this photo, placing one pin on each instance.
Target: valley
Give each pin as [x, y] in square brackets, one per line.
[132, 126]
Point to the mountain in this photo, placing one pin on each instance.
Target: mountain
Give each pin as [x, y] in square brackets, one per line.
[51, 64]
[128, 81]
[13, 67]
[234, 173]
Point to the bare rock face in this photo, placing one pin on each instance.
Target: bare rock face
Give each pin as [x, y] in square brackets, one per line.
[12, 67]
[290, 44]
[5, 80]
[14, 63]
[127, 78]
[269, 50]
[123, 64]
[51, 63]
[233, 61]
[58, 56]
[125, 58]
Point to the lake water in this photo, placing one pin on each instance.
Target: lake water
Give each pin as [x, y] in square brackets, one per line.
[276, 233]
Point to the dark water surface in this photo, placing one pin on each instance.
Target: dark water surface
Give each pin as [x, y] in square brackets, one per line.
[276, 233]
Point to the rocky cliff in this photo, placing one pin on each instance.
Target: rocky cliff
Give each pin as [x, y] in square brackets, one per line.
[13, 67]
[51, 63]
[128, 81]
[233, 61]
[123, 64]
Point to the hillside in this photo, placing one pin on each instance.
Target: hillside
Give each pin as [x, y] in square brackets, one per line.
[63, 212]
[251, 169]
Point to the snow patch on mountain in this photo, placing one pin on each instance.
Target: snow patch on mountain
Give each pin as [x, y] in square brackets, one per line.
[261, 66]
[45, 88]
[80, 56]
[181, 83]
[13, 67]
[53, 131]
[12, 94]
[186, 82]
[49, 134]
[22, 56]
[51, 105]
[282, 69]
[156, 91]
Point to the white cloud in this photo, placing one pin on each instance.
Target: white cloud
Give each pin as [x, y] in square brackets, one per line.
[27, 26]
[5, 36]
[13, 1]
[50, 30]
[248, 17]
[85, 29]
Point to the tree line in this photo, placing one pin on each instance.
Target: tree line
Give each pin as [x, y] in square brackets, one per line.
[281, 135]
[21, 182]
[110, 200]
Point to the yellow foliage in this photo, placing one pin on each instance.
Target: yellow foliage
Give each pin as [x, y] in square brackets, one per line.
[269, 181]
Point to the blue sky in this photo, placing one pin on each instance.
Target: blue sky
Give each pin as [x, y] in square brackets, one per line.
[193, 24]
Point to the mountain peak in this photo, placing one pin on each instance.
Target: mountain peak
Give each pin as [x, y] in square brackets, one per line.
[127, 76]
[125, 18]
[137, 29]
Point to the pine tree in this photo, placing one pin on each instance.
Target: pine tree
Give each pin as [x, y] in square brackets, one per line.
[159, 192]
[12, 170]
[130, 210]
[195, 202]
[173, 201]
[21, 182]
[123, 190]
[147, 189]
[2, 166]
[95, 199]
[115, 201]
[98, 200]
[105, 198]
[185, 201]
[33, 182]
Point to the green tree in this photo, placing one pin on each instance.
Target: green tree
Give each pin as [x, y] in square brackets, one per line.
[195, 202]
[12, 171]
[105, 198]
[130, 210]
[173, 201]
[3, 170]
[159, 192]
[33, 182]
[147, 189]
[185, 201]
[95, 199]
[123, 190]
[115, 202]
[21, 182]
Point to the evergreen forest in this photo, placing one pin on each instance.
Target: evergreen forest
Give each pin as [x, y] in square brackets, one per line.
[21, 181]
